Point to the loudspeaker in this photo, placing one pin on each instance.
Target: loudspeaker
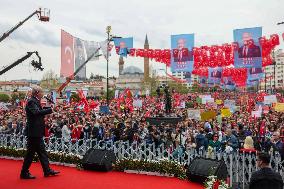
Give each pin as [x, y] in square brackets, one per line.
[98, 160]
[200, 168]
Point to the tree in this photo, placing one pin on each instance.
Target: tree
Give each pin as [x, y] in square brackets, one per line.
[18, 95]
[179, 87]
[151, 84]
[4, 98]
[49, 80]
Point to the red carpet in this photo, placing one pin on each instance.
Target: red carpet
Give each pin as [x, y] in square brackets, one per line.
[71, 178]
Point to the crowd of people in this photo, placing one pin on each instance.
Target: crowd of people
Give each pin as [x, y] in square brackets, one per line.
[240, 131]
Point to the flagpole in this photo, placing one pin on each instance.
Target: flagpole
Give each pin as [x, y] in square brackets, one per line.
[108, 29]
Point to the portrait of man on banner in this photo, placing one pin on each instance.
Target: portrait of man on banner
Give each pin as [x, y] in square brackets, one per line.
[215, 75]
[182, 58]
[255, 74]
[202, 81]
[122, 45]
[248, 54]
[80, 58]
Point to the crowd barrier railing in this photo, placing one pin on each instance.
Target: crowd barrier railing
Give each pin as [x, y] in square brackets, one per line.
[240, 165]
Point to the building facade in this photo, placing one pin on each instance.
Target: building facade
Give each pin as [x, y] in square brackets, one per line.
[181, 75]
[274, 73]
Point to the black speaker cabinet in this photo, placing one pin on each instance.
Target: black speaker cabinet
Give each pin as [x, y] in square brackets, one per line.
[98, 160]
[200, 168]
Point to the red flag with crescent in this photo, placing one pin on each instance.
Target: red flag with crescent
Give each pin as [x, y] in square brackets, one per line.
[67, 54]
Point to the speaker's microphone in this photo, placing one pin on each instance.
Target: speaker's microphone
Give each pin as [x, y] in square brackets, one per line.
[48, 99]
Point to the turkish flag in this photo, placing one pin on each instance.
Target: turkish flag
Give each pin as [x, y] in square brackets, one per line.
[67, 54]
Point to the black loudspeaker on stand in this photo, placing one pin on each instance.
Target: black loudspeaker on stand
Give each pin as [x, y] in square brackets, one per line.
[200, 168]
[98, 160]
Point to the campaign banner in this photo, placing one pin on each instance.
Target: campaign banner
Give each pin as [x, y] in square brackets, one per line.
[181, 54]
[218, 102]
[279, 107]
[229, 103]
[80, 58]
[194, 114]
[68, 95]
[203, 81]
[207, 115]
[228, 83]
[225, 112]
[270, 99]
[92, 47]
[215, 75]
[116, 94]
[207, 100]
[181, 105]
[104, 110]
[211, 105]
[122, 45]
[248, 54]
[137, 103]
[255, 74]
[256, 114]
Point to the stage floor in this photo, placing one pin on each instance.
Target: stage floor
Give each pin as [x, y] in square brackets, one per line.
[72, 178]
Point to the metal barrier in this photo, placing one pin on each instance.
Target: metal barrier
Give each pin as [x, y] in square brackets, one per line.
[240, 166]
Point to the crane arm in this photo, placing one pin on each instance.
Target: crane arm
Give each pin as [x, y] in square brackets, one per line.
[6, 34]
[35, 64]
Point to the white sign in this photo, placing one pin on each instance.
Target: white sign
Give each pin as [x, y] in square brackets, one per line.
[207, 100]
[194, 114]
[256, 114]
[270, 99]
[182, 104]
[137, 103]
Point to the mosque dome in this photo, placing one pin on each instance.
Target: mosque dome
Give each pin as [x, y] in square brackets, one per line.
[131, 70]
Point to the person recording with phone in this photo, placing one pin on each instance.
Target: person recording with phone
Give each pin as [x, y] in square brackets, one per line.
[35, 129]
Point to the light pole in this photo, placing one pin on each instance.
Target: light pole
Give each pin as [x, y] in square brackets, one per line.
[108, 30]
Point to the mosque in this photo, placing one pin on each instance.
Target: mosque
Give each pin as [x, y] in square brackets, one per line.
[132, 77]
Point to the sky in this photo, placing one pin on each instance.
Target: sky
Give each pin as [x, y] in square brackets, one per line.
[212, 22]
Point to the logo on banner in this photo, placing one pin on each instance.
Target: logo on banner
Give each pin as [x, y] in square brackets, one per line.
[182, 57]
[248, 53]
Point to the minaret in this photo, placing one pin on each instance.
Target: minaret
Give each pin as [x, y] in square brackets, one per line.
[146, 60]
[121, 64]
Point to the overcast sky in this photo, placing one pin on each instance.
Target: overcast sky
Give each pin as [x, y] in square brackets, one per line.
[212, 22]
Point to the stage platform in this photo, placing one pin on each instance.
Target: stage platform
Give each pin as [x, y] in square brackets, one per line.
[72, 178]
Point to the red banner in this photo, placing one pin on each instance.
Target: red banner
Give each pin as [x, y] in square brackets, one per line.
[67, 54]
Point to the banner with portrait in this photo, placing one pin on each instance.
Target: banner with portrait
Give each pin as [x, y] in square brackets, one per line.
[122, 45]
[203, 81]
[228, 83]
[248, 54]
[215, 75]
[181, 55]
[80, 58]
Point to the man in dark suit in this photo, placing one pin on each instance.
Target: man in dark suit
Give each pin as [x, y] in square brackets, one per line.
[182, 54]
[265, 178]
[249, 49]
[35, 128]
[216, 73]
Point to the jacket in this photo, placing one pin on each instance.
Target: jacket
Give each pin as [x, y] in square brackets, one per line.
[266, 178]
[35, 118]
